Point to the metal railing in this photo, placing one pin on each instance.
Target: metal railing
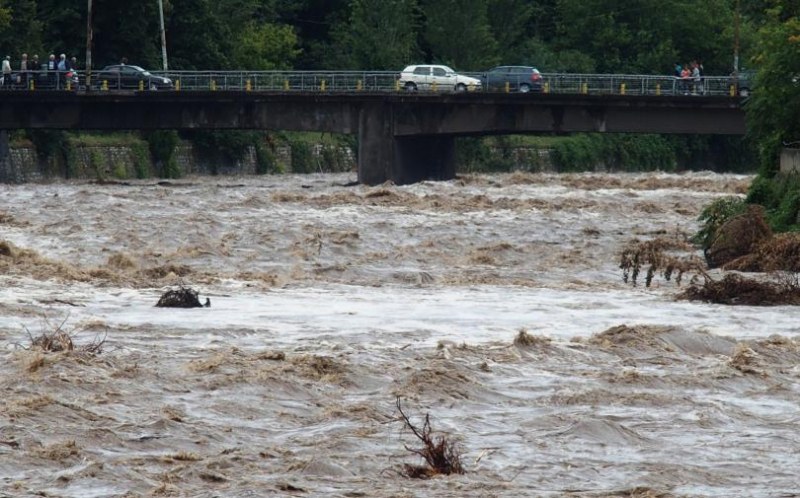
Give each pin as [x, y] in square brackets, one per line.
[370, 81]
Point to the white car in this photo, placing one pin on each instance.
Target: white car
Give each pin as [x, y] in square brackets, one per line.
[435, 77]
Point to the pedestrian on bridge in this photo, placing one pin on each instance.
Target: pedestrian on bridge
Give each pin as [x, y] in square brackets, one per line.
[685, 76]
[697, 84]
[23, 69]
[7, 72]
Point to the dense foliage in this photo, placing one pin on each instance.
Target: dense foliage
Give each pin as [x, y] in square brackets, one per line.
[647, 36]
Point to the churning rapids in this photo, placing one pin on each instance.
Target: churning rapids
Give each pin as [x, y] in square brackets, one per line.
[329, 302]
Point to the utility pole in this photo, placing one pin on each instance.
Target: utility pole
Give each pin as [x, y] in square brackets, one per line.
[163, 34]
[88, 45]
[736, 22]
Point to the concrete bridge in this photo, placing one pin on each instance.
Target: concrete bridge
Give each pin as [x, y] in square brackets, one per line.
[402, 137]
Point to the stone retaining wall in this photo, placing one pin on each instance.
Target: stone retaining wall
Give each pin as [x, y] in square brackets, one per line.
[790, 161]
[123, 161]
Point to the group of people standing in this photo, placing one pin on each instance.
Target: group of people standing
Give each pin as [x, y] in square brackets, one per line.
[53, 71]
[691, 78]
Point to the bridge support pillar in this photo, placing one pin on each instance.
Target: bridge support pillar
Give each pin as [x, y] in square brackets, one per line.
[6, 171]
[431, 157]
[383, 157]
[375, 144]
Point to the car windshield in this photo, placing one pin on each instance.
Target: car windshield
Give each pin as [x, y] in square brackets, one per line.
[137, 69]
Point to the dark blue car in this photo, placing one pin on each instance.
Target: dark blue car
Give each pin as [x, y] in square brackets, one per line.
[521, 79]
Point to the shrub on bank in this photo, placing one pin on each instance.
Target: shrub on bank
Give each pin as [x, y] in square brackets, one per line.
[603, 152]
[780, 196]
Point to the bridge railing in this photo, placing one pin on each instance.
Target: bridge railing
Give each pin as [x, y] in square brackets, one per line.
[625, 84]
[306, 81]
[385, 81]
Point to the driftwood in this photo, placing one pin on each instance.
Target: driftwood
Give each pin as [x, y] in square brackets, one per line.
[735, 289]
[440, 454]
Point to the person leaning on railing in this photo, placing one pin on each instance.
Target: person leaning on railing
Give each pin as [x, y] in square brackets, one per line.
[52, 67]
[7, 72]
[23, 71]
[697, 81]
[685, 75]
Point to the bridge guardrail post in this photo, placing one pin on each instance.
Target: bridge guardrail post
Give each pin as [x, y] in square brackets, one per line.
[359, 85]
[622, 88]
[546, 87]
[322, 85]
[178, 85]
[247, 86]
[104, 86]
[508, 87]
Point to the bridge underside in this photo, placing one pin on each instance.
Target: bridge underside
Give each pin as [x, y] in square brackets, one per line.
[402, 137]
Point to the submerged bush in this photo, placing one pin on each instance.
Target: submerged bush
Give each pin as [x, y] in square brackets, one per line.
[714, 216]
[162, 150]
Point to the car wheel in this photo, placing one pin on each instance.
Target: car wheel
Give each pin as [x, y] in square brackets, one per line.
[461, 87]
[153, 87]
[744, 92]
[524, 88]
[411, 87]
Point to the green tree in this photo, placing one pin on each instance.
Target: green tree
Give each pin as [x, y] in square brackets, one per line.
[377, 35]
[457, 32]
[509, 21]
[20, 30]
[121, 29]
[648, 36]
[547, 58]
[197, 37]
[264, 47]
[314, 22]
[5, 15]
[773, 110]
[63, 28]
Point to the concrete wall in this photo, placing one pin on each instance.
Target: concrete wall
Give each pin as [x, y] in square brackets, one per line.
[790, 161]
[120, 162]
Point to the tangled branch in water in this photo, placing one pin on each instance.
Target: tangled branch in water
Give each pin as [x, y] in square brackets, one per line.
[441, 455]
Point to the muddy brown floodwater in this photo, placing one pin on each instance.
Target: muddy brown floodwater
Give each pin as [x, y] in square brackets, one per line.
[330, 302]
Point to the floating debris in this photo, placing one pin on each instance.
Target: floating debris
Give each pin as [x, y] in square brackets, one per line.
[182, 297]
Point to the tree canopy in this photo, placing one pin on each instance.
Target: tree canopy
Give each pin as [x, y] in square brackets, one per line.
[773, 112]
[637, 36]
